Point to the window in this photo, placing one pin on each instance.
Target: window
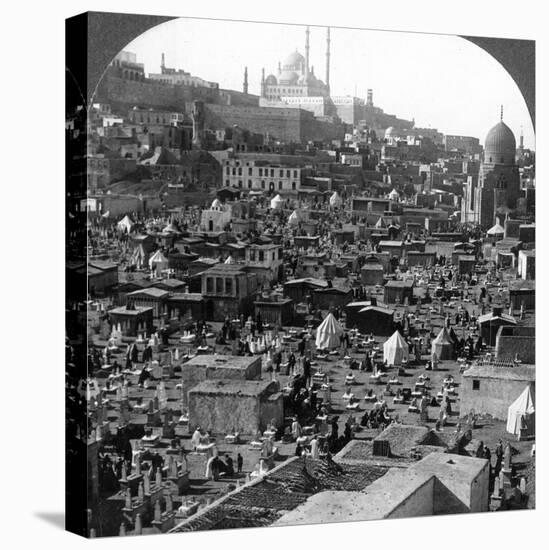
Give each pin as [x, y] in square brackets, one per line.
[252, 255]
[249, 171]
[234, 171]
[239, 183]
[280, 185]
[476, 385]
[228, 286]
[295, 173]
[293, 185]
[227, 182]
[209, 284]
[219, 285]
[240, 171]
[272, 173]
[228, 171]
[263, 185]
[260, 172]
[281, 173]
[261, 255]
[287, 173]
[249, 184]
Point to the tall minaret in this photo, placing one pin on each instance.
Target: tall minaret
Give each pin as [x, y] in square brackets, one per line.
[263, 82]
[162, 63]
[328, 58]
[245, 86]
[307, 52]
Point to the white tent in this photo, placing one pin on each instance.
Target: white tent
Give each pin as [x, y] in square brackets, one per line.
[393, 195]
[380, 223]
[443, 345]
[125, 224]
[335, 200]
[395, 350]
[277, 202]
[520, 415]
[293, 218]
[328, 333]
[158, 262]
[495, 230]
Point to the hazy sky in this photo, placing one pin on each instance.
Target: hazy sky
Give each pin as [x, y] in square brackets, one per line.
[442, 81]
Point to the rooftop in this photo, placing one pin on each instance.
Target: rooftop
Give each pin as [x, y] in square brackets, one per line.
[242, 388]
[221, 361]
[526, 373]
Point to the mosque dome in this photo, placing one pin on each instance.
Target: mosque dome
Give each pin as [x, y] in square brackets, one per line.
[389, 132]
[288, 77]
[271, 80]
[500, 145]
[293, 61]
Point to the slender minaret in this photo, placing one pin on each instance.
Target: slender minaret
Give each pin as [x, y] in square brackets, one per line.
[162, 63]
[328, 58]
[245, 86]
[501, 114]
[307, 52]
[263, 82]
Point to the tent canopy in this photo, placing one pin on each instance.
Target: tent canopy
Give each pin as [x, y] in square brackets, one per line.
[496, 230]
[520, 414]
[158, 258]
[443, 337]
[328, 333]
[277, 202]
[335, 200]
[125, 224]
[293, 218]
[395, 349]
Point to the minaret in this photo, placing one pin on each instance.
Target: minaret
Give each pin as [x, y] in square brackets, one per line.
[245, 86]
[501, 114]
[162, 63]
[263, 82]
[328, 58]
[307, 52]
[521, 142]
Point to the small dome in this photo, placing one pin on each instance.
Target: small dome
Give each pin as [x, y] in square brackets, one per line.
[500, 145]
[216, 205]
[293, 61]
[389, 132]
[271, 80]
[393, 195]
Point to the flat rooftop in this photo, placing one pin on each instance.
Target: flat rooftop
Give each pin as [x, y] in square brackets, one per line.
[526, 373]
[241, 388]
[221, 361]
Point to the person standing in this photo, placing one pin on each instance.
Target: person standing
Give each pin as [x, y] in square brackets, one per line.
[239, 463]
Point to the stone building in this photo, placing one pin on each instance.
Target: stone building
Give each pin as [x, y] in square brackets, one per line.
[228, 406]
[218, 367]
[228, 290]
[488, 389]
[498, 188]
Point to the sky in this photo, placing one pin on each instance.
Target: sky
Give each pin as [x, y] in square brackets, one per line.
[442, 81]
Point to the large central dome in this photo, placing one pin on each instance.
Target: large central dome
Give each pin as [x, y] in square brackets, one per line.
[500, 145]
[293, 62]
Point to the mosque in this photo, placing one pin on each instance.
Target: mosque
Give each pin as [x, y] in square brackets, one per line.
[497, 192]
[296, 84]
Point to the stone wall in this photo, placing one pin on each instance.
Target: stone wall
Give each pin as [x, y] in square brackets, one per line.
[521, 343]
[493, 397]
[419, 503]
